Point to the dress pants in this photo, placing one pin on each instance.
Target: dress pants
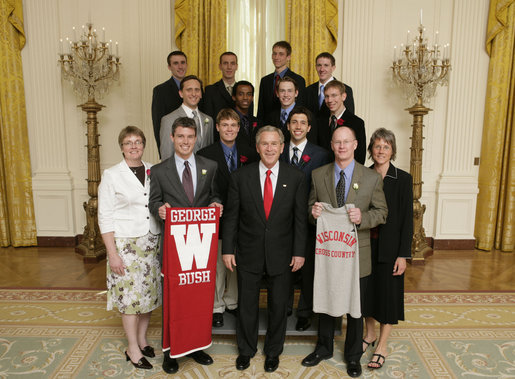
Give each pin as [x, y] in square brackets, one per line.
[225, 299]
[353, 349]
[247, 327]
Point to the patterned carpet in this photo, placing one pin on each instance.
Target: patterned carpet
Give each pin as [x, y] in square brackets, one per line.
[69, 334]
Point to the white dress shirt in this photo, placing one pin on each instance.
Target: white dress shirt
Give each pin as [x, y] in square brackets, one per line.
[301, 146]
[179, 163]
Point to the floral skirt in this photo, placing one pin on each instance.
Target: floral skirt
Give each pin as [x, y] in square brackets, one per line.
[139, 290]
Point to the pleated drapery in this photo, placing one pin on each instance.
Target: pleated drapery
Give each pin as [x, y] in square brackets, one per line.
[200, 31]
[311, 28]
[17, 221]
[495, 214]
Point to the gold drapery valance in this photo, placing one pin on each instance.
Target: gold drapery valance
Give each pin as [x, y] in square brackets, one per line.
[311, 28]
[495, 215]
[17, 221]
[200, 31]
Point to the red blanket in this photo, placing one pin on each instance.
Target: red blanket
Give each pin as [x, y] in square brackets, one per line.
[189, 273]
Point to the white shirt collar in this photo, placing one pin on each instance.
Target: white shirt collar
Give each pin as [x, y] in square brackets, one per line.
[301, 146]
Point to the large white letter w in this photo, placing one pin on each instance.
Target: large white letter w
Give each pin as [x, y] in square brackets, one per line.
[189, 246]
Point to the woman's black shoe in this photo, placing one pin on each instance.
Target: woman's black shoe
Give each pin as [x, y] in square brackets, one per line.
[148, 351]
[142, 363]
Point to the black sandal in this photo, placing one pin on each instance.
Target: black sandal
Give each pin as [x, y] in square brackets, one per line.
[368, 344]
[377, 361]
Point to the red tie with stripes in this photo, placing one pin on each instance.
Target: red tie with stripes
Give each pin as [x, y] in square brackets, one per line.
[268, 194]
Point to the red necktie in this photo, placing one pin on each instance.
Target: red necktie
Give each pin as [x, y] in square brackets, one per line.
[268, 194]
[276, 82]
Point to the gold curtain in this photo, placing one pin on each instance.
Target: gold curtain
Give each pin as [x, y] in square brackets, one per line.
[200, 31]
[311, 28]
[17, 223]
[495, 215]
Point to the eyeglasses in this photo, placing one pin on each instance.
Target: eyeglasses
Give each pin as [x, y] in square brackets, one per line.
[344, 142]
[137, 143]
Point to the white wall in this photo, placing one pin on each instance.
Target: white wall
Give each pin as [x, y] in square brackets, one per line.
[143, 30]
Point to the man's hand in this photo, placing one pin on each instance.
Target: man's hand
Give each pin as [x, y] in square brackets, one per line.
[219, 206]
[297, 263]
[399, 267]
[316, 210]
[355, 215]
[229, 261]
[162, 210]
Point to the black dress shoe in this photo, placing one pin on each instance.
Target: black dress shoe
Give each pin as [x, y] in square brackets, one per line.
[303, 323]
[353, 369]
[233, 312]
[201, 358]
[218, 320]
[242, 362]
[313, 359]
[148, 351]
[142, 363]
[271, 363]
[170, 365]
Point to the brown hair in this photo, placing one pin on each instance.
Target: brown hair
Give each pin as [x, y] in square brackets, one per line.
[283, 44]
[131, 131]
[185, 122]
[335, 84]
[387, 136]
[227, 114]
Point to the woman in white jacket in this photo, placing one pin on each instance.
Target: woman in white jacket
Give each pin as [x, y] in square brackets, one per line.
[130, 234]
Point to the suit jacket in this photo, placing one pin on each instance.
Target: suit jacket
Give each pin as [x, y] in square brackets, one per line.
[268, 101]
[249, 139]
[262, 244]
[122, 203]
[353, 122]
[274, 119]
[165, 98]
[312, 157]
[166, 129]
[166, 186]
[311, 101]
[216, 98]
[215, 152]
[396, 235]
[369, 197]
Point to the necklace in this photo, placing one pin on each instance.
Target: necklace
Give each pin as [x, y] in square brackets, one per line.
[135, 169]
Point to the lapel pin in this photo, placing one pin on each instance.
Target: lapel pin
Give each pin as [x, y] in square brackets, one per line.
[284, 185]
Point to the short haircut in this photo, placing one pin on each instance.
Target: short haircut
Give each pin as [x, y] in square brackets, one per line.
[227, 114]
[242, 83]
[228, 53]
[190, 77]
[300, 110]
[131, 131]
[347, 127]
[287, 79]
[387, 136]
[285, 45]
[174, 53]
[269, 128]
[185, 122]
[327, 55]
[335, 84]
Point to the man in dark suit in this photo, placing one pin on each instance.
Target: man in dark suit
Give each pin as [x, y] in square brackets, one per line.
[243, 96]
[219, 95]
[314, 99]
[306, 156]
[265, 224]
[230, 154]
[183, 180]
[335, 96]
[363, 187]
[165, 96]
[268, 101]
[287, 92]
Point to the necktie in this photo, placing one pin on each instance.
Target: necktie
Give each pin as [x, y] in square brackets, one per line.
[284, 117]
[340, 190]
[229, 89]
[187, 181]
[230, 162]
[332, 125]
[295, 158]
[321, 96]
[268, 194]
[197, 122]
[246, 124]
[276, 82]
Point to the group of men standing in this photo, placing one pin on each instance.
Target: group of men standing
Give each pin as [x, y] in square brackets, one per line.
[302, 138]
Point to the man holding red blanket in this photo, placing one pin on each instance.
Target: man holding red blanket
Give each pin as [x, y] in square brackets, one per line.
[183, 180]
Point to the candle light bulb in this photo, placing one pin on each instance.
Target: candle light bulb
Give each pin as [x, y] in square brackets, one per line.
[407, 38]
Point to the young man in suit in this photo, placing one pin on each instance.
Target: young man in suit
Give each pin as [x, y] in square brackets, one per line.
[362, 187]
[268, 101]
[243, 96]
[314, 99]
[191, 93]
[335, 96]
[219, 95]
[287, 92]
[183, 180]
[165, 96]
[230, 154]
[265, 224]
[306, 156]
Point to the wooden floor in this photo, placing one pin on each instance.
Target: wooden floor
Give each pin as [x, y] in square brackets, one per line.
[445, 270]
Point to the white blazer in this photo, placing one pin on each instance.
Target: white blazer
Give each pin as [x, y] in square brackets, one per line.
[123, 203]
